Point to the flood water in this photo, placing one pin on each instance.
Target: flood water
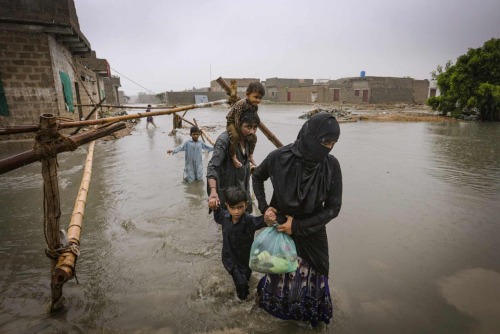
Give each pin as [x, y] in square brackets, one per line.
[415, 249]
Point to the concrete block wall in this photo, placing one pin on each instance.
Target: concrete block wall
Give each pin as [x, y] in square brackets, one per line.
[301, 94]
[27, 77]
[388, 90]
[420, 91]
[30, 65]
[87, 84]
[380, 90]
[242, 84]
[60, 58]
[357, 85]
[271, 94]
[186, 98]
[61, 12]
[98, 65]
[346, 92]
[111, 85]
[282, 82]
[147, 98]
[323, 93]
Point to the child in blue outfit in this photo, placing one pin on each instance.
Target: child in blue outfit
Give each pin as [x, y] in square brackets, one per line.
[238, 231]
[193, 166]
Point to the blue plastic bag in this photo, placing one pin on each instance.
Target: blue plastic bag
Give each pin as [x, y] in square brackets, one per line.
[273, 252]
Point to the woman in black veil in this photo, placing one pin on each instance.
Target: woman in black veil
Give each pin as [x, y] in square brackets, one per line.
[307, 184]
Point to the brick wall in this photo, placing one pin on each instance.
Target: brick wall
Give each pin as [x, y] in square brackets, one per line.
[420, 91]
[59, 59]
[62, 12]
[242, 84]
[27, 77]
[87, 84]
[111, 85]
[271, 94]
[298, 94]
[30, 65]
[385, 90]
[381, 90]
[282, 82]
[186, 98]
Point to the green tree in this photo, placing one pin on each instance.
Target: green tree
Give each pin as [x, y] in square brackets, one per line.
[473, 83]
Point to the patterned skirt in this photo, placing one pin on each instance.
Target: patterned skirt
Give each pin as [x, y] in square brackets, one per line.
[300, 295]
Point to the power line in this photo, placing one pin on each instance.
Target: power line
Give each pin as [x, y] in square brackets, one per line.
[132, 81]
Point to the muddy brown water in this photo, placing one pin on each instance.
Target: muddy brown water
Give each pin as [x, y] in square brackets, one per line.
[415, 248]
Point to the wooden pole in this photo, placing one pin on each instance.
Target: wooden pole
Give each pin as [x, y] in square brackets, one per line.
[45, 139]
[233, 97]
[265, 130]
[231, 90]
[122, 107]
[177, 121]
[224, 85]
[90, 115]
[202, 135]
[272, 138]
[209, 139]
[12, 129]
[139, 115]
[31, 156]
[33, 128]
[65, 269]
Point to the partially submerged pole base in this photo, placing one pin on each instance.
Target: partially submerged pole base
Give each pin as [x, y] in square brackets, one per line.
[64, 271]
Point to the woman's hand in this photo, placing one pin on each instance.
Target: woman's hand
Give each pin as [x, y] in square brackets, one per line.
[287, 226]
[270, 216]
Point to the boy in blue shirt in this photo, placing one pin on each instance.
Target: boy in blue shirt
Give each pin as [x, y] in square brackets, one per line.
[238, 231]
[193, 166]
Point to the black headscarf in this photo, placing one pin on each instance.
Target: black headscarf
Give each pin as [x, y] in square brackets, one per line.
[305, 170]
[319, 129]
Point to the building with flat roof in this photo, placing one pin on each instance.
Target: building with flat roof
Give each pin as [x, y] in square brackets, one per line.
[48, 65]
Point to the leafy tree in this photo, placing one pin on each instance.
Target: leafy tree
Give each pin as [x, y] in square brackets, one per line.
[473, 83]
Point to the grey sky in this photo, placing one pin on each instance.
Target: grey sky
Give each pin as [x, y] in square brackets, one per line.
[180, 44]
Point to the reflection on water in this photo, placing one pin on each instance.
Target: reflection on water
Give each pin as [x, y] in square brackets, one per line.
[414, 249]
[471, 291]
[466, 155]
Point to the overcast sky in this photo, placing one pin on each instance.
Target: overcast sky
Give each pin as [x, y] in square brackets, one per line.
[180, 44]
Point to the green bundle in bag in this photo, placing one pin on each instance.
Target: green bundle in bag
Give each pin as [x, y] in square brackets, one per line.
[273, 252]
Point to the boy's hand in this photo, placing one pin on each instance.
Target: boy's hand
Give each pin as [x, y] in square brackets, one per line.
[270, 216]
[213, 201]
[170, 151]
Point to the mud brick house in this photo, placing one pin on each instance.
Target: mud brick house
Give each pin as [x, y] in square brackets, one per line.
[349, 90]
[213, 93]
[280, 89]
[379, 90]
[242, 84]
[46, 62]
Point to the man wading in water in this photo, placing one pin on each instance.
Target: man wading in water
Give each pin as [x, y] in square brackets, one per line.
[221, 172]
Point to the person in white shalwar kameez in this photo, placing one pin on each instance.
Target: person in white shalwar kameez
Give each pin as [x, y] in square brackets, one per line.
[193, 148]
